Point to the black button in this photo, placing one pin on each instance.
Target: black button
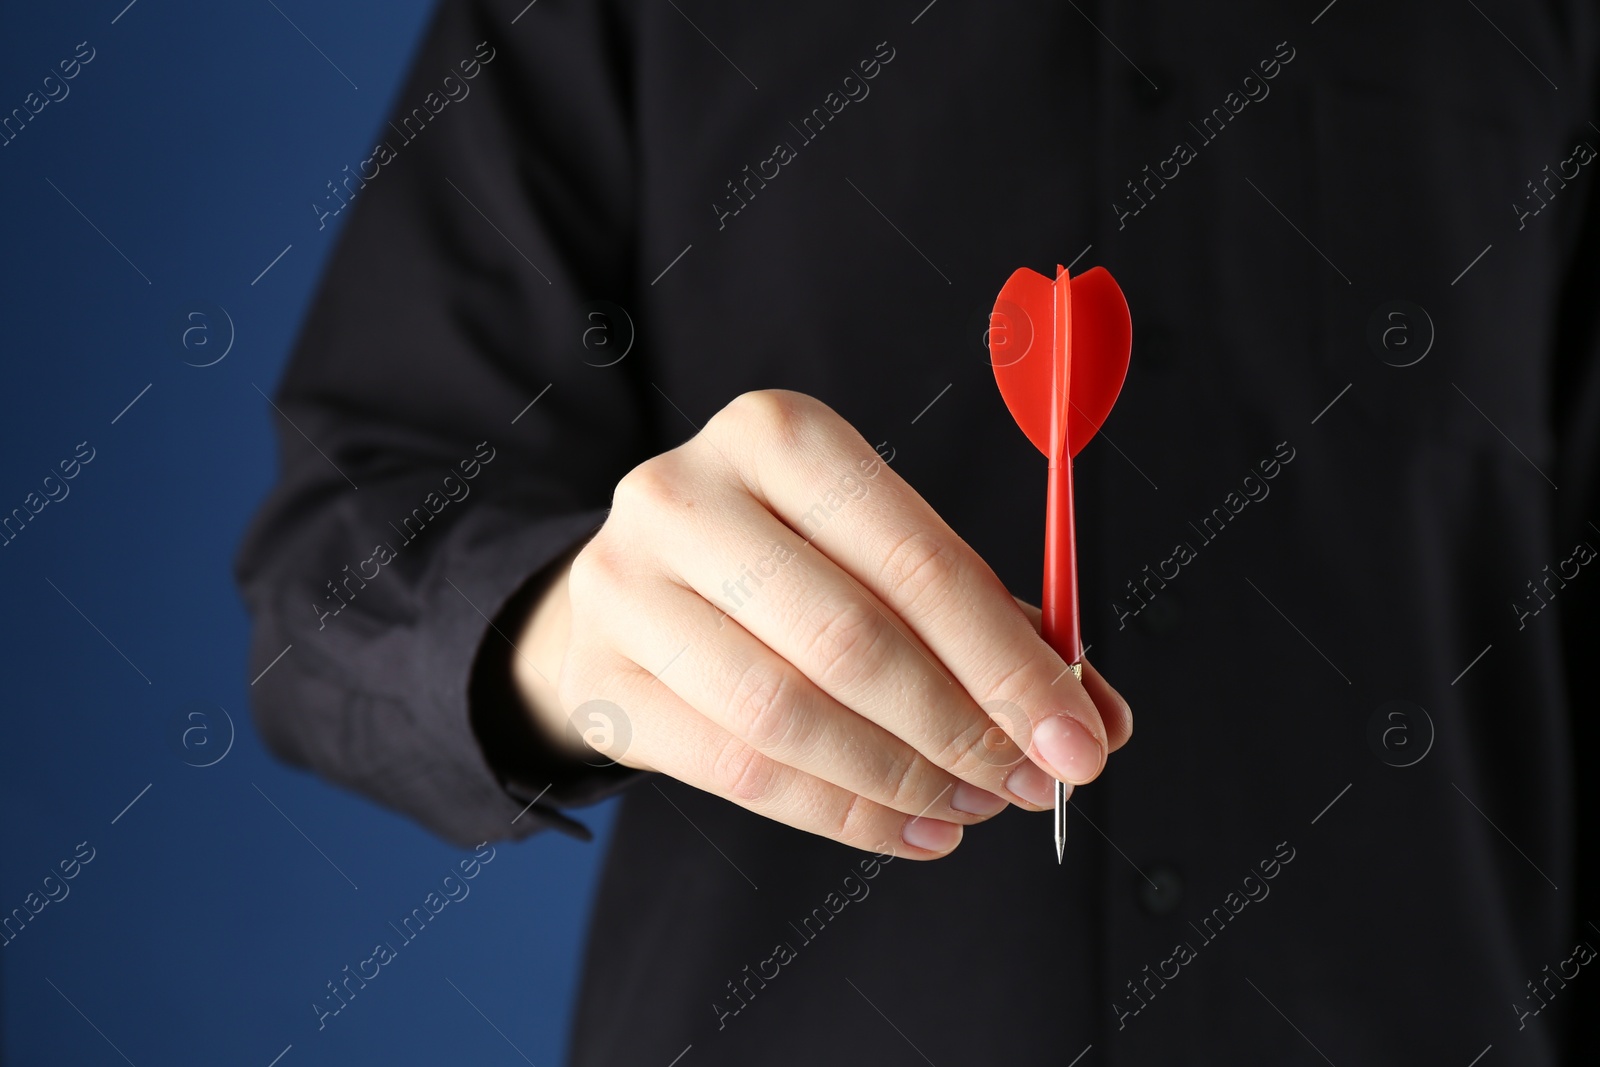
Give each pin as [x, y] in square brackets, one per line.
[1160, 890]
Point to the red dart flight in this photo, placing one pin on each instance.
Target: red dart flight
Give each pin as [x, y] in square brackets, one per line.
[1060, 353]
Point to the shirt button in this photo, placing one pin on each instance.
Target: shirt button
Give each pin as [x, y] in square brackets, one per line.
[1161, 890]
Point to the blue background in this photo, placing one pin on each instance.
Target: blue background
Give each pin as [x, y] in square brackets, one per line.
[206, 924]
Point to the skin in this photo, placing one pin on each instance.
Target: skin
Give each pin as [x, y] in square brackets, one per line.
[875, 684]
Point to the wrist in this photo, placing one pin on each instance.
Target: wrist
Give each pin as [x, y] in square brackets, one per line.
[541, 646]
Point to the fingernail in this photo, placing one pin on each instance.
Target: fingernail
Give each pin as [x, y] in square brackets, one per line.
[934, 835]
[1069, 748]
[1032, 785]
[974, 801]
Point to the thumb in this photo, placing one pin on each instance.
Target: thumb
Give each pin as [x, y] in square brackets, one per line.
[1114, 710]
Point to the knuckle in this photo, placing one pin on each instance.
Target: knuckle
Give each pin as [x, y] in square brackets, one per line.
[919, 565]
[847, 646]
[777, 415]
[742, 773]
[855, 823]
[968, 754]
[761, 707]
[903, 781]
[651, 486]
[589, 570]
[1007, 735]
[1015, 682]
[599, 580]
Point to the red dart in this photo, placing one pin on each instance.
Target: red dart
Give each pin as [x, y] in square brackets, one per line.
[1060, 353]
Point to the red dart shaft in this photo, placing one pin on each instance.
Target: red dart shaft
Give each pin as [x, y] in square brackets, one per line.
[1060, 594]
[1060, 597]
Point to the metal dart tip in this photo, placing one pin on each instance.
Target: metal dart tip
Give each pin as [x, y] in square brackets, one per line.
[1061, 820]
[1061, 787]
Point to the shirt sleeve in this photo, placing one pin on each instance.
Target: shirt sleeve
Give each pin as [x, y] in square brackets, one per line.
[447, 428]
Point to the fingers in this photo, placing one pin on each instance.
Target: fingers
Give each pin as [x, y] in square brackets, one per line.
[813, 471]
[718, 668]
[674, 739]
[843, 644]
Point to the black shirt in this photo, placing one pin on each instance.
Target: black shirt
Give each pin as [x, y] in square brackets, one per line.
[1335, 542]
